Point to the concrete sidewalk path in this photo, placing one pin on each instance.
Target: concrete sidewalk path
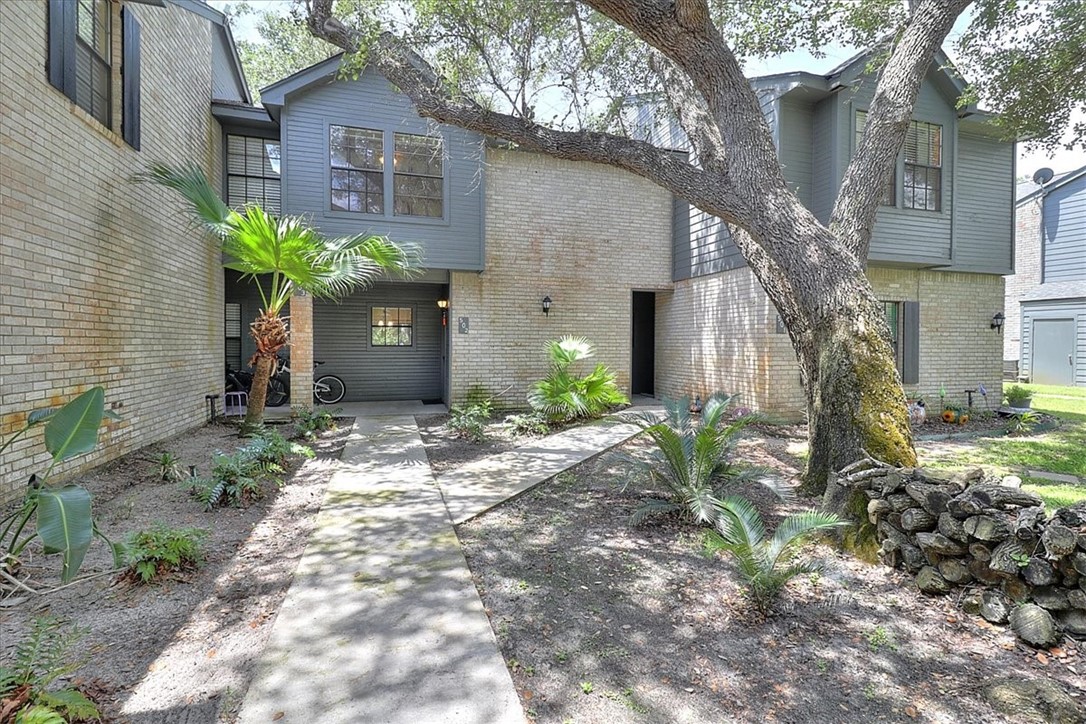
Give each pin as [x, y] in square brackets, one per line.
[382, 622]
[476, 487]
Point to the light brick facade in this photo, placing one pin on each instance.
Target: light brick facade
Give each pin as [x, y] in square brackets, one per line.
[101, 283]
[1027, 272]
[719, 333]
[585, 235]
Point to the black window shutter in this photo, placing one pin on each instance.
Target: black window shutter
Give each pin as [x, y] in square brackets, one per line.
[130, 76]
[910, 343]
[62, 46]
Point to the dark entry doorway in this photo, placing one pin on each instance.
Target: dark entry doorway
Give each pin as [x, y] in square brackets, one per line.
[643, 367]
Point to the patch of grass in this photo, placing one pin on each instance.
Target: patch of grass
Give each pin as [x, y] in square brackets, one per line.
[586, 687]
[1056, 495]
[1058, 451]
[1061, 390]
[879, 638]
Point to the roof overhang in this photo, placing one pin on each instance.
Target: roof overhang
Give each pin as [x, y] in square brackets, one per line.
[274, 96]
[245, 117]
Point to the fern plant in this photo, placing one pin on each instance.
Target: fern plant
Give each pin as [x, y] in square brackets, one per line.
[38, 661]
[562, 396]
[238, 479]
[160, 550]
[167, 468]
[766, 564]
[528, 424]
[693, 460]
[312, 422]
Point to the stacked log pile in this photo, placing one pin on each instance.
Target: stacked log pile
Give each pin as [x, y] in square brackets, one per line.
[1021, 564]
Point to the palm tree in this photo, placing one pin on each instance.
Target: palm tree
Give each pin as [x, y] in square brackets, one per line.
[282, 255]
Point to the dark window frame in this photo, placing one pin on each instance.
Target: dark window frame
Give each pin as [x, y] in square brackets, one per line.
[439, 153]
[905, 331]
[410, 326]
[352, 174]
[248, 176]
[893, 313]
[931, 169]
[90, 55]
[232, 322]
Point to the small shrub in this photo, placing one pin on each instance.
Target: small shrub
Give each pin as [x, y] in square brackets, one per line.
[161, 550]
[469, 421]
[312, 422]
[528, 424]
[38, 661]
[167, 468]
[563, 396]
[765, 564]
[692, 462]
[1024, 424]
[237, 479]
[268, 446]
[1017, 396]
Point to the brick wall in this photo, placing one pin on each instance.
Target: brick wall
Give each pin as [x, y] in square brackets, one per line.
[718, 333]
[587, 236]
[1027, 268]
[101, 283]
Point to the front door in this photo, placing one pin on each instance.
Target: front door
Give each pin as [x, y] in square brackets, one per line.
[1053, 352]
[643, 364]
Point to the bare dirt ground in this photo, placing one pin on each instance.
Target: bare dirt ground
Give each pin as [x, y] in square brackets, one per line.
[446, 451]
[603, 622]
[181, 649]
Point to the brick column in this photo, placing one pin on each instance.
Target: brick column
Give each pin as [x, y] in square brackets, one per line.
[301, 352]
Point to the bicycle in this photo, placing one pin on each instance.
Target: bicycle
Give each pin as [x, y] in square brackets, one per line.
[242, 381]
[327, 389]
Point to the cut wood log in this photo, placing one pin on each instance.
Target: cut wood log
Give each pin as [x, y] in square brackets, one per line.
[1059, 540]
[931, 581]
[964, 507]
[939, 544]
[1025, 525]
[915, 519]
[1006, 557]
[900, 501]
[875, 508]
[952, 528]
[1015, 589]
[954, 571]
[994, 607]
[1039, 572]
[983, 573]
[932, 498]
[987, 528]
[1000, 496]
[1051, 598]
[1034, 625]
[981, 552]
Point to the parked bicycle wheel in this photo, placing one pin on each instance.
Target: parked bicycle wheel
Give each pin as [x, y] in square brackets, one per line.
[278, 393]
[328, 390]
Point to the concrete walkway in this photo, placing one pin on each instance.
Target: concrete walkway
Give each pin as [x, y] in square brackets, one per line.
[382, 622]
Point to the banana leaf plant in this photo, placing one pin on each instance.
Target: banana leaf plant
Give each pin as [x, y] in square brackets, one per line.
[63, 520]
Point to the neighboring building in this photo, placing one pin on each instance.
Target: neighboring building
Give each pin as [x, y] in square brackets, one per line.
[100, 283]
[1045, 334]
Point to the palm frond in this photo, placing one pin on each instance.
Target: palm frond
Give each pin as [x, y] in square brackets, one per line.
[652, 508]
[739, 522]
[204, 205]
[795, 528]
[763, 475]
[567, 350]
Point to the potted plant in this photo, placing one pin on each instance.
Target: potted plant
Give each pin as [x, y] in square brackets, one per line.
[1018, 397]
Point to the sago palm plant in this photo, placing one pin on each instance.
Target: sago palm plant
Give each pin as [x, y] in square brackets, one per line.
[281, 255]
[563, 396]
[693, 461]
[766, 564]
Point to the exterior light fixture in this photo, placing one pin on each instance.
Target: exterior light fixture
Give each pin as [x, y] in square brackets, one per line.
[997, 321]
[547, 305]
[443, 305]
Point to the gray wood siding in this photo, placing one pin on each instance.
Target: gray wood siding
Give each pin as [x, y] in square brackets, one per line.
[1063, 223]
[1057, 309]
[455, 242]
[984, 208]
[824, 173]
[341, 339]
[796, 148]
[907, 235]
[224, 80]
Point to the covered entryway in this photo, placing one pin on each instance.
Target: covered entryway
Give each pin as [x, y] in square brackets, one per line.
[1053, 351]
[643, 344]
[386, 342]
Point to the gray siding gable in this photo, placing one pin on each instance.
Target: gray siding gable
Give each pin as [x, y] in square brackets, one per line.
[453, 242]
[1063, 228]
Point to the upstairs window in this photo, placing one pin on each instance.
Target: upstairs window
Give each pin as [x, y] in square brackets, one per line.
[358, 165]
[889, 193]
[252, 172]
[82, 62]
[923, 186]
[419, 177]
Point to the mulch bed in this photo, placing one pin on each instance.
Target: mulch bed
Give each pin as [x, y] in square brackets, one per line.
[447, 451]
[181, 649]
[603, 622]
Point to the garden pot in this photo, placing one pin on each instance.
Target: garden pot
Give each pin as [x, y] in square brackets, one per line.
[1020, 404]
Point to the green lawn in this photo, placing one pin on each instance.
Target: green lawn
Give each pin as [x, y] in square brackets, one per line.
[1055, 495]
[1060, 451]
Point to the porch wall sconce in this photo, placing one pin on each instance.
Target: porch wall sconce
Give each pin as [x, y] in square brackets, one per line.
[443, 305]
[547, 306]
[997, 321]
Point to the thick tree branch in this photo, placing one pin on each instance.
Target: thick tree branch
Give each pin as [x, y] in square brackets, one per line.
[888, 121]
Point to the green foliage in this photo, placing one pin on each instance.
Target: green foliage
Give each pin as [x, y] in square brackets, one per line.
[63, 520]
[528, 424]
[1016, 395]
[159, 550]
[311, 422]
[38, 661]
[693, 463]
[766, 564]
[879, 637]
[469, 421]
[167, 468]
[562, 396]
[1024, 424]
[238, 479]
